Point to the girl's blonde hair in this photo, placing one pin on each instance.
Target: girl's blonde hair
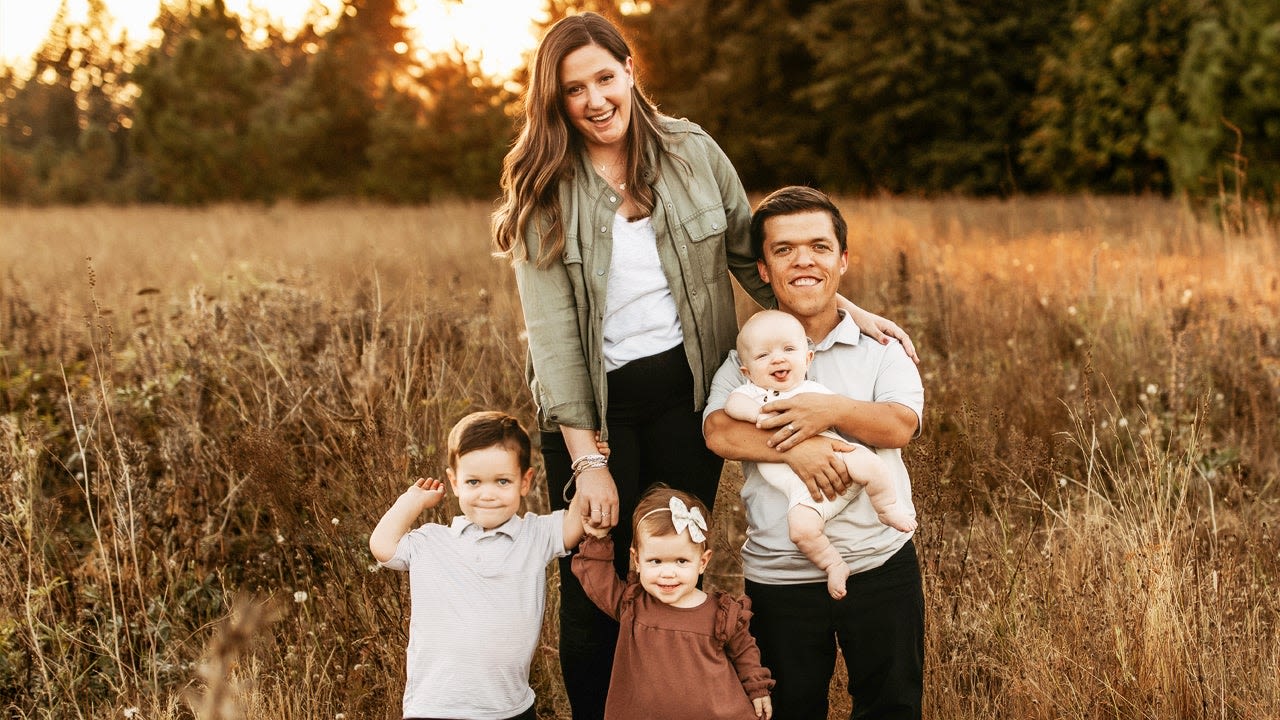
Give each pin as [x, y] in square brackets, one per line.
[653, 517]
[546, 149]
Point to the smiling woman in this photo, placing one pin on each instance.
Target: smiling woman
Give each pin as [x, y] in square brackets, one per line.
[500, 31]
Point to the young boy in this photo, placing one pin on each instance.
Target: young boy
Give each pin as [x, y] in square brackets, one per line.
[774, 356]
[478, 585]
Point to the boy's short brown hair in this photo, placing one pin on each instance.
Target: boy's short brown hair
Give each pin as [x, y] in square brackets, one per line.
[487, 428]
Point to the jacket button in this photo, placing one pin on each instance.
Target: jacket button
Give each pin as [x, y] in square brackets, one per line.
[613, 199]
[603, 229]
[601, 272]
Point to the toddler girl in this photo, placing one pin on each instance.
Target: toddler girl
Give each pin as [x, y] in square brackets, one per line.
[682, 652]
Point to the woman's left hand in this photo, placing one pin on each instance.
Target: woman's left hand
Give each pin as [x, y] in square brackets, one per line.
[880, 328]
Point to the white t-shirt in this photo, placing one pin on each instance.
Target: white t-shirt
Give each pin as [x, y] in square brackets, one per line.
[640, 317]
[478, 599]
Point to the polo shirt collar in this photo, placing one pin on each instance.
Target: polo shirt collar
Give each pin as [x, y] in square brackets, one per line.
[510, 528]
[845, 332]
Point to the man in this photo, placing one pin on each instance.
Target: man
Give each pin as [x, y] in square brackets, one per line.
[800, 242]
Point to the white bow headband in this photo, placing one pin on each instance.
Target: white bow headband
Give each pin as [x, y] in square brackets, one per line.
[684, 517]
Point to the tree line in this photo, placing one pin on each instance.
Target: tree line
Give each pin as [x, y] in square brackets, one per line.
[855, 96]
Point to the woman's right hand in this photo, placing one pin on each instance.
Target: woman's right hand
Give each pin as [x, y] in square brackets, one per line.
[597, 496]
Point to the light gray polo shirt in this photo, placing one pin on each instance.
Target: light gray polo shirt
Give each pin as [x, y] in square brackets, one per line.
[850, 364]
[478, 599]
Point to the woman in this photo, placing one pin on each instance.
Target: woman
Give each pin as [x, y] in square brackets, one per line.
[623, 225]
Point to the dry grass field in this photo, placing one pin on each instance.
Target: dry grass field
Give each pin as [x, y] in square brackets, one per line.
[204, 412]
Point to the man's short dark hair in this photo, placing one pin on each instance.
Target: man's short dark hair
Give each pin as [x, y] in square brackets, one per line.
[791, 200]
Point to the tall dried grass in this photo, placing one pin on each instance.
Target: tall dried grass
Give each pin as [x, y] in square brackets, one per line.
[203, 413]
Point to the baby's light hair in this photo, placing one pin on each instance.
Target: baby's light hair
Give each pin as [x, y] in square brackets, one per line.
[485, 429]
[764, 316]
[653, 513]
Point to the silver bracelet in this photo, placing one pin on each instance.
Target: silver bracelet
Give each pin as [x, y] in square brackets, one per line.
[587, 462]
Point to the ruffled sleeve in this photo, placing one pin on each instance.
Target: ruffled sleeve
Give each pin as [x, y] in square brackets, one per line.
[732, 627]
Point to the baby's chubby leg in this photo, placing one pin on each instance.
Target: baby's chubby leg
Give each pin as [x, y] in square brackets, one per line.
[867, 469]
[806, 528]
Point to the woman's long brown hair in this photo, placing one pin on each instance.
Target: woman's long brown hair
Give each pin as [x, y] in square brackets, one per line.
[545, 152]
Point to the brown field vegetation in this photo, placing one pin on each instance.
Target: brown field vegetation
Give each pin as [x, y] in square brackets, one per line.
[204, 412]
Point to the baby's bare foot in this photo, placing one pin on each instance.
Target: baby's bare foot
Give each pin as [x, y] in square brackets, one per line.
[897, 519]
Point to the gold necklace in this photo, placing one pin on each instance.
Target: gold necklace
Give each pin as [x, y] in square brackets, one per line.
[608, 177]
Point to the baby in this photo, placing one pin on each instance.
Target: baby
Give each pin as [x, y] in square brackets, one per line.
[775, 357]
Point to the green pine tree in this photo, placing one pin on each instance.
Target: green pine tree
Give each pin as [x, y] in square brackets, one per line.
[1089, 126]
[1220, 130]
[198, 94]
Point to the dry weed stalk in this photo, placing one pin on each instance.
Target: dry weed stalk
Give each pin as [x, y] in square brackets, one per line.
[220, 698]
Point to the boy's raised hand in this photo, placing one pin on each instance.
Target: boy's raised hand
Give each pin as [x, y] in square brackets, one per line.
[428, 491]
[422, 494]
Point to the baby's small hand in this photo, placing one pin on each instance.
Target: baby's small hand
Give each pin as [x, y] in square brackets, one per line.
[602, 446]
[764, 707]
[763, 417]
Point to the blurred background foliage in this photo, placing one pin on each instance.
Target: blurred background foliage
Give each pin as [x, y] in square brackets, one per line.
[923, 97]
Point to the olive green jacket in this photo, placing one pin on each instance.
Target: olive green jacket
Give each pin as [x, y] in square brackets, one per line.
[702, 220]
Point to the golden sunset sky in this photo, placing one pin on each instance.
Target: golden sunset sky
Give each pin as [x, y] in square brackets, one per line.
[501, 29]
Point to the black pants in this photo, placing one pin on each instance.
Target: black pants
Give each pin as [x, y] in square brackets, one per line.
[879, 627]
[654, 436]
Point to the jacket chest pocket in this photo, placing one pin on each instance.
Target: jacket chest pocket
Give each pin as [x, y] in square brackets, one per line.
[704, 232]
